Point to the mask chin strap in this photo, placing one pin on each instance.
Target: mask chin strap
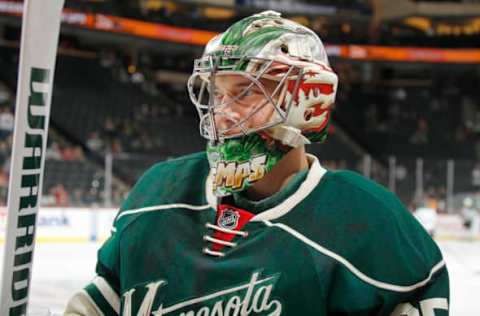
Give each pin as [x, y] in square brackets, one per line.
[289, 136]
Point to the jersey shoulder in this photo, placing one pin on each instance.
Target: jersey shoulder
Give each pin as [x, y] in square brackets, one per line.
[177, 181]
[367, 225]
[362, 197]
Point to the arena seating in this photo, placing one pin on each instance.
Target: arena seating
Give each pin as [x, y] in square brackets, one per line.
[101, 109]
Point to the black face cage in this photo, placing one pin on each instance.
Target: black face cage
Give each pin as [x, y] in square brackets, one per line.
[202, 91]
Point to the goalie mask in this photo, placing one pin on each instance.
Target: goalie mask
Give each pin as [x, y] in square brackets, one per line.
[261, 88]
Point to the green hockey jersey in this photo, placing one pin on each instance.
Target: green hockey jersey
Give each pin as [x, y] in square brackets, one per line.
[337, 244]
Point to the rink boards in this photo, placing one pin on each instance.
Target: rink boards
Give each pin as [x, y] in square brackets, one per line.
[57, 224]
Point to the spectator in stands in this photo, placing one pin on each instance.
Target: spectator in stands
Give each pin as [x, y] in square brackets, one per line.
[61, 196]
[471, 216]
[68, 153]
[3, 187]
[92, 197]
[4, 150]
[94, 142]
[116, 146]
[5, 95]
[441, 199]
[127, 127]
[53, 151]
[146, 141]
[476, 175]
[72, 153]
[335, 164]
[110, 129]
[78, 198]
[377, 172]
[420, 136]
[78, 153]
[47, 199]
[7, 122]
[6, 165]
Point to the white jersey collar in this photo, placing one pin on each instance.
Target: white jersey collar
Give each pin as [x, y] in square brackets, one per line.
[315, 174]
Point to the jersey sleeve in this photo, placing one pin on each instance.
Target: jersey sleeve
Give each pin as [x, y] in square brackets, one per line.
[101, 295]
[432, 299]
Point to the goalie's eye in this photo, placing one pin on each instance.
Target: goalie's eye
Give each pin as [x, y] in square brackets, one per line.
[248, 93]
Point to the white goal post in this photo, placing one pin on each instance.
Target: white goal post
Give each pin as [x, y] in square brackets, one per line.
[40, 32]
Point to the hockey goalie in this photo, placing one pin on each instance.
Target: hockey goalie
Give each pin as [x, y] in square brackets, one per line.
[255, 225]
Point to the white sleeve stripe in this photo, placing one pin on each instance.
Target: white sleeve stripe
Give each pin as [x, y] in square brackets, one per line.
[108, 293]
[92, 302]
[351, 267]
[163, 207]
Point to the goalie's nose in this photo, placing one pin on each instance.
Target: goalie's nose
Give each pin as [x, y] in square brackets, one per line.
[227, 121]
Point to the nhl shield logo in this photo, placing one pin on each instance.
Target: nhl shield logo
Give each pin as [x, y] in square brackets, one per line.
[228, 219]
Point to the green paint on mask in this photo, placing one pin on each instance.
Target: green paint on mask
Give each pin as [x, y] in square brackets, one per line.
[239, 162]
